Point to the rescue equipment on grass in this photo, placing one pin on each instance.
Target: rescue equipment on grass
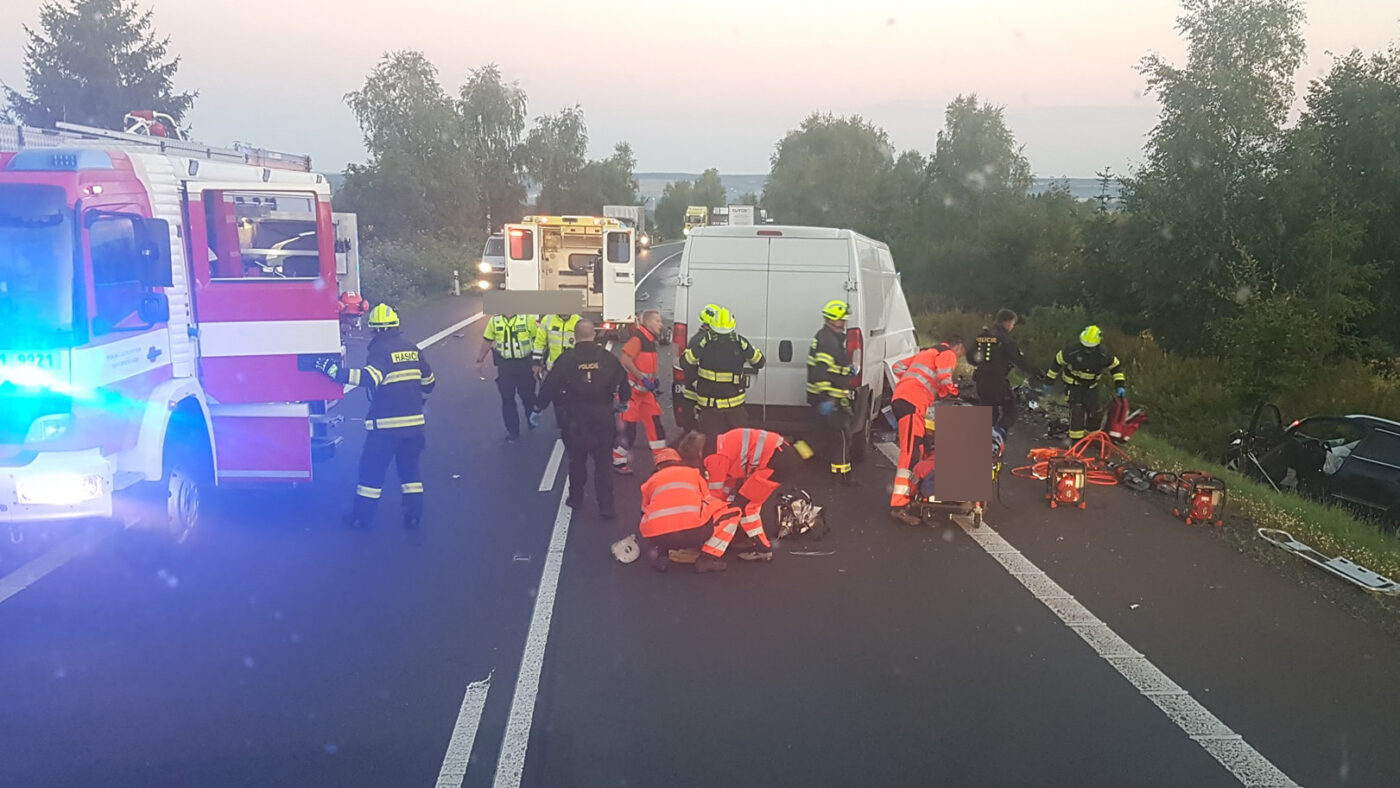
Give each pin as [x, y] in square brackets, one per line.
[1123, 422]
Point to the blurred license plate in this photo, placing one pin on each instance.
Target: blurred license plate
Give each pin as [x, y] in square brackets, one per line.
[44, 359]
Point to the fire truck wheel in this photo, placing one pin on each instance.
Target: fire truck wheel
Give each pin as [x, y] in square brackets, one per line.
[188, 477]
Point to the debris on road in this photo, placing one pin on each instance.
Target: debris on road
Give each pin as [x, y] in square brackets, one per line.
[813, 552]
[1341, 567]
[1134, 606]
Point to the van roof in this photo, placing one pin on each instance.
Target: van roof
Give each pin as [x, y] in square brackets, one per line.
[783, 230]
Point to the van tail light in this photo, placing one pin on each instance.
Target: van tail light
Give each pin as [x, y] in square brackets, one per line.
[855, 349]
[678, 341]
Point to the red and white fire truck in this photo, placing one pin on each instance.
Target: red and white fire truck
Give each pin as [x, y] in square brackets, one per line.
[162, 306]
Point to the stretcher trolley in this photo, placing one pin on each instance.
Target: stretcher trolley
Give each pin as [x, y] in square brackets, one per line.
[927, 506]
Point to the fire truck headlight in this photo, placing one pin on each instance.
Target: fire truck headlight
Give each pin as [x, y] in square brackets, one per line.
[484, 267]
[58, 489]
[49, 428]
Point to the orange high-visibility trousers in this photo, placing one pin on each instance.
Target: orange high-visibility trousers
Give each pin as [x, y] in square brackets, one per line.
[728, 526]
[911, 434]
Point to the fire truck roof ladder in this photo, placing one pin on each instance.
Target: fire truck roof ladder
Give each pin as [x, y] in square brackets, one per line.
[72, 133]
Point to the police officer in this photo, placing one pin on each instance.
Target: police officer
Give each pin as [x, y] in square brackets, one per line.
[829, 373]
[398, 379]
[510, 339]
[588, 380]
[554, 335]
[1080, 366]
[994, 357]
[714, 370]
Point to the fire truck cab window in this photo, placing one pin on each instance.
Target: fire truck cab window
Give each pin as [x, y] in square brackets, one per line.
[116, 272]
[262, 236]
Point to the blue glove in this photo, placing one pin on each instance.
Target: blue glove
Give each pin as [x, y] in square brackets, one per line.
[1122, 392]
[620, 407]
[328, 367]
[826, 407]
[535, 419]
[855, 370]
[651, 384]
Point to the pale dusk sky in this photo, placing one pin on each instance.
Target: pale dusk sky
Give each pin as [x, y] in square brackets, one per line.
[704, 84]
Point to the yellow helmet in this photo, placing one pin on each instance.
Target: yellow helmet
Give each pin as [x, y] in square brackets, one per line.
[836, 310]
[1090, 337]
[707, 315]
[383, 316]
[722, 322]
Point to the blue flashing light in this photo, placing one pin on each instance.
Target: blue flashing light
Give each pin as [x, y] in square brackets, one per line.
[60, 160]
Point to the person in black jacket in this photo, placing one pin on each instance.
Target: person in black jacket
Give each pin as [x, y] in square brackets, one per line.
[997, 353]
[594, 385]
[714, 371]
[829, 372]
[397, 378]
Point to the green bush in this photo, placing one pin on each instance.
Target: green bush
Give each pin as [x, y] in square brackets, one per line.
[1192, 402]
[407, 271]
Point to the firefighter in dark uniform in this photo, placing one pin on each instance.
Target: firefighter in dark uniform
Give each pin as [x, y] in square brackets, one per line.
[397, 379]
[994, 358]
[510, 339]
[592, 384]
[1080, 367]
[714, 371]
[829, 372]
[684, 399]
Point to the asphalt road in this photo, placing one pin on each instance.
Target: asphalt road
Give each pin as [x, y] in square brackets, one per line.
[276, 648]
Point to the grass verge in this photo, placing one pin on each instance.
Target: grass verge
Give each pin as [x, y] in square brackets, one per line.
[1329, 529]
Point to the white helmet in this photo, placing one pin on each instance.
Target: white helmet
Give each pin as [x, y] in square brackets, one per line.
[626, 550]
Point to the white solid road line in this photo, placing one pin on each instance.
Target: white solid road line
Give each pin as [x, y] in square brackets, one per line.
[664, 261]
[443, 334]
[551, 469]
[511, 765]
[1223, 744]
[60, 554]
[459, 749]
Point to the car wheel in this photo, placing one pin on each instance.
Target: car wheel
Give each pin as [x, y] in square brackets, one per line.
[1232, 460]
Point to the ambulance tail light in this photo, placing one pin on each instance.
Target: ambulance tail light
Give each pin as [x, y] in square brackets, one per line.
[855, 349]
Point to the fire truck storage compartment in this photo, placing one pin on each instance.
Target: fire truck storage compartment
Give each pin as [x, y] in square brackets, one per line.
[265, 292]
[262, 443]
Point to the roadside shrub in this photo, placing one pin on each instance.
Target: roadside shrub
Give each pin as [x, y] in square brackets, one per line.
[408, 271]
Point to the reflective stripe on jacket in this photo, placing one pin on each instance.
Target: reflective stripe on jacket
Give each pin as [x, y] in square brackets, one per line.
[673, 499]
[512, 337]
[398, 377]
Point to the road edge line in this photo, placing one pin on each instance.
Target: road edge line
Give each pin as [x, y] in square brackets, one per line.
[664, 261]
[1228, 748]
[443, 334]
[510, 766]
[459, 748]
[551, 469]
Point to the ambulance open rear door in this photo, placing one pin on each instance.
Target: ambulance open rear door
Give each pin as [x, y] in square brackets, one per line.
[522, 257]
[619, 275]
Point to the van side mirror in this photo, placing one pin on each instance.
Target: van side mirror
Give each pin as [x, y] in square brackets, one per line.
[153, 245]
[154, 309]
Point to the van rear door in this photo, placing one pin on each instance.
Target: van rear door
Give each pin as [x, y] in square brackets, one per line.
[731, 271]
[803, 274]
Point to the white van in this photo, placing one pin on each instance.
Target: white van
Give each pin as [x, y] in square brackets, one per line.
[776, 279]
